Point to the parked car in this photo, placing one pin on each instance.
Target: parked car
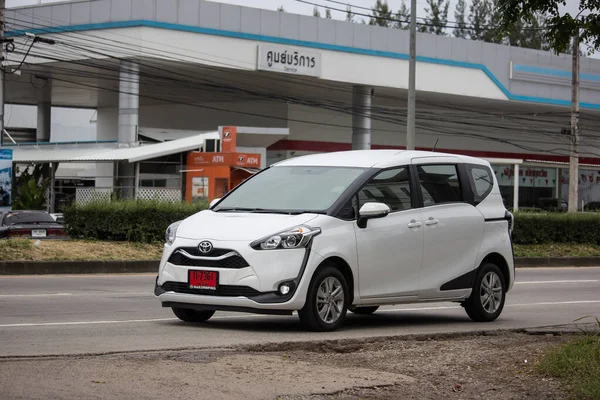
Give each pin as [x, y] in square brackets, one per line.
[58, 217]
[4, 197]
[551, 204]
[323, 234]
[30, 224]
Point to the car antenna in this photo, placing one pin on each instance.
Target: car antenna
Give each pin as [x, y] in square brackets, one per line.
[435, 145]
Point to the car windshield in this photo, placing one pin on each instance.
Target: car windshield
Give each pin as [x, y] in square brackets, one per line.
[291, 189]
[28, 218]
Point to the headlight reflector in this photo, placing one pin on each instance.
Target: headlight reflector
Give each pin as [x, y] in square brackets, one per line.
[171, 233]
[291, 239]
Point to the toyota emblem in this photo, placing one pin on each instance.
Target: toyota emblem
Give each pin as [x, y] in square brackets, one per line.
[205, 247]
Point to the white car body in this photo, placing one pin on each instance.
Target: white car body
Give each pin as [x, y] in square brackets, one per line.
[427, 252]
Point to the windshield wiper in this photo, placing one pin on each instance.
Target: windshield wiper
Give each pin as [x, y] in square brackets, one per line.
[262, 210]
[239, 209]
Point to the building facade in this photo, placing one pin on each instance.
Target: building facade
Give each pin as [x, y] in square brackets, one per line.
[192, 66]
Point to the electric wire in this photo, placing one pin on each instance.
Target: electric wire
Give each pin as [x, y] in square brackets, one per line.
[482, 137]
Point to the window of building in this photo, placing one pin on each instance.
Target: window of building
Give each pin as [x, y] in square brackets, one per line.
[391, 187]
[439, 184]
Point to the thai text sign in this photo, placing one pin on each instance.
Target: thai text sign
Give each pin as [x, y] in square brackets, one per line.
[289, 60]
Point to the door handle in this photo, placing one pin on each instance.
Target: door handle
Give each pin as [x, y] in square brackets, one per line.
[431, 221]
[414, 224]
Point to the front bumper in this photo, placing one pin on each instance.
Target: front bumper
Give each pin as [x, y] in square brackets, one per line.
[250, 286]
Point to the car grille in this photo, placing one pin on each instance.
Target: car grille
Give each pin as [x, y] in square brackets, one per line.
[223, 290]
[233, 262]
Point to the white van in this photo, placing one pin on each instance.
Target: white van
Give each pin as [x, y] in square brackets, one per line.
[355, 230]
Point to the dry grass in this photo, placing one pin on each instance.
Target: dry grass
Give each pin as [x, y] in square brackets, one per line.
[82, 250]
[76, 250]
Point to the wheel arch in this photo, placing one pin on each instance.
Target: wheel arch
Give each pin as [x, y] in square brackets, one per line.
[344, 268]
[498, 260]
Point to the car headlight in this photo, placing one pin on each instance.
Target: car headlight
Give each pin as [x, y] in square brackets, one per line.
[291, 239]
[171, 233]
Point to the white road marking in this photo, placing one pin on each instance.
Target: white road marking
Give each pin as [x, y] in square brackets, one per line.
[551, 282]
[553, 303]
[128, 321]
[36, 295]
[79, 294]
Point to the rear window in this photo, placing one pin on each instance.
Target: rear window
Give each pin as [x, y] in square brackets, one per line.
[28, 218]
[482, 181]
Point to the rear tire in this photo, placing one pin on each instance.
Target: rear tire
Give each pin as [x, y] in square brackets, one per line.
[489, 293]
[364, 310]
[188, 315]
[326, 301]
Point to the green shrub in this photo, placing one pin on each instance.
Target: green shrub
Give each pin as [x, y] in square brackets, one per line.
[132, 220]
[543, 228]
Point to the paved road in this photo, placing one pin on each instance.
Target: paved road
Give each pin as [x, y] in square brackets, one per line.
[51, 315]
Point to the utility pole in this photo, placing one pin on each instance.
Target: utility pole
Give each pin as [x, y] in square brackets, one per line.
[574, 156]
[2, 26]
[410, 116]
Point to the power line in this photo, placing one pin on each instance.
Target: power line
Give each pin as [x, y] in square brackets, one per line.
[483, 137]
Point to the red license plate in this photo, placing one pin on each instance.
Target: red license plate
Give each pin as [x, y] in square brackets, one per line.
[205, 280]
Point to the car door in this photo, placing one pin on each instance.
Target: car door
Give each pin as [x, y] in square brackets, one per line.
[452, 227]
[390, 248]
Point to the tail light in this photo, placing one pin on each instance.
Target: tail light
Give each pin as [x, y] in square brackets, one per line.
[56, 232]
[511, 221]
[19, 233]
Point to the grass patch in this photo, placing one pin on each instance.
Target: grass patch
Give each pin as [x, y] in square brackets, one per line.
[554, 250]
[77, 250]
[577, 363]
[84, 250]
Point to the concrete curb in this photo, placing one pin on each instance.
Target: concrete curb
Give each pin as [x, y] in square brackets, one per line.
[76, 267]
[532, 262]
[149, 266]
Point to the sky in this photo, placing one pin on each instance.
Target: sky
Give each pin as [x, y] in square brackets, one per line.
[297, 7]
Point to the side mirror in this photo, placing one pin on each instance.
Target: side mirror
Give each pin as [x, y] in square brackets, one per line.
[212, 203]
[370, 211]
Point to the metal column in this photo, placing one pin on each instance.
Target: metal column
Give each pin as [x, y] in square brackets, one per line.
[516, 189]
[361, 118]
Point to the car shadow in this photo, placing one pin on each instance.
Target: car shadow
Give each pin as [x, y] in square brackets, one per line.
[292, 324]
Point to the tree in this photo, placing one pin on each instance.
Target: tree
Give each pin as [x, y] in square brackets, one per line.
[437, 17]
[560, 27]
[460, 16]
[479, 13]
[382, 14]
[403, 17]
[327, 13]
[493, 33]
[31, 186]
[316, 12]
[349, 14]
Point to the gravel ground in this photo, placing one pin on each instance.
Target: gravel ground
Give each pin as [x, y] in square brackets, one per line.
[492, 366]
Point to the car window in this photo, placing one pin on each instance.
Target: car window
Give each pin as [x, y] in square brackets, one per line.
[439, 184]
[391, 187]
[28, 218]
[481, 180]
[292, 188]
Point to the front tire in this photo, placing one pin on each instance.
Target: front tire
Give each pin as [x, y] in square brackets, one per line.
[188, 315]
[364, 310]
[326, 301]
[489, 293]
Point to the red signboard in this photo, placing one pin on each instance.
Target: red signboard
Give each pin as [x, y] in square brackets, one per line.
[228, 139]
